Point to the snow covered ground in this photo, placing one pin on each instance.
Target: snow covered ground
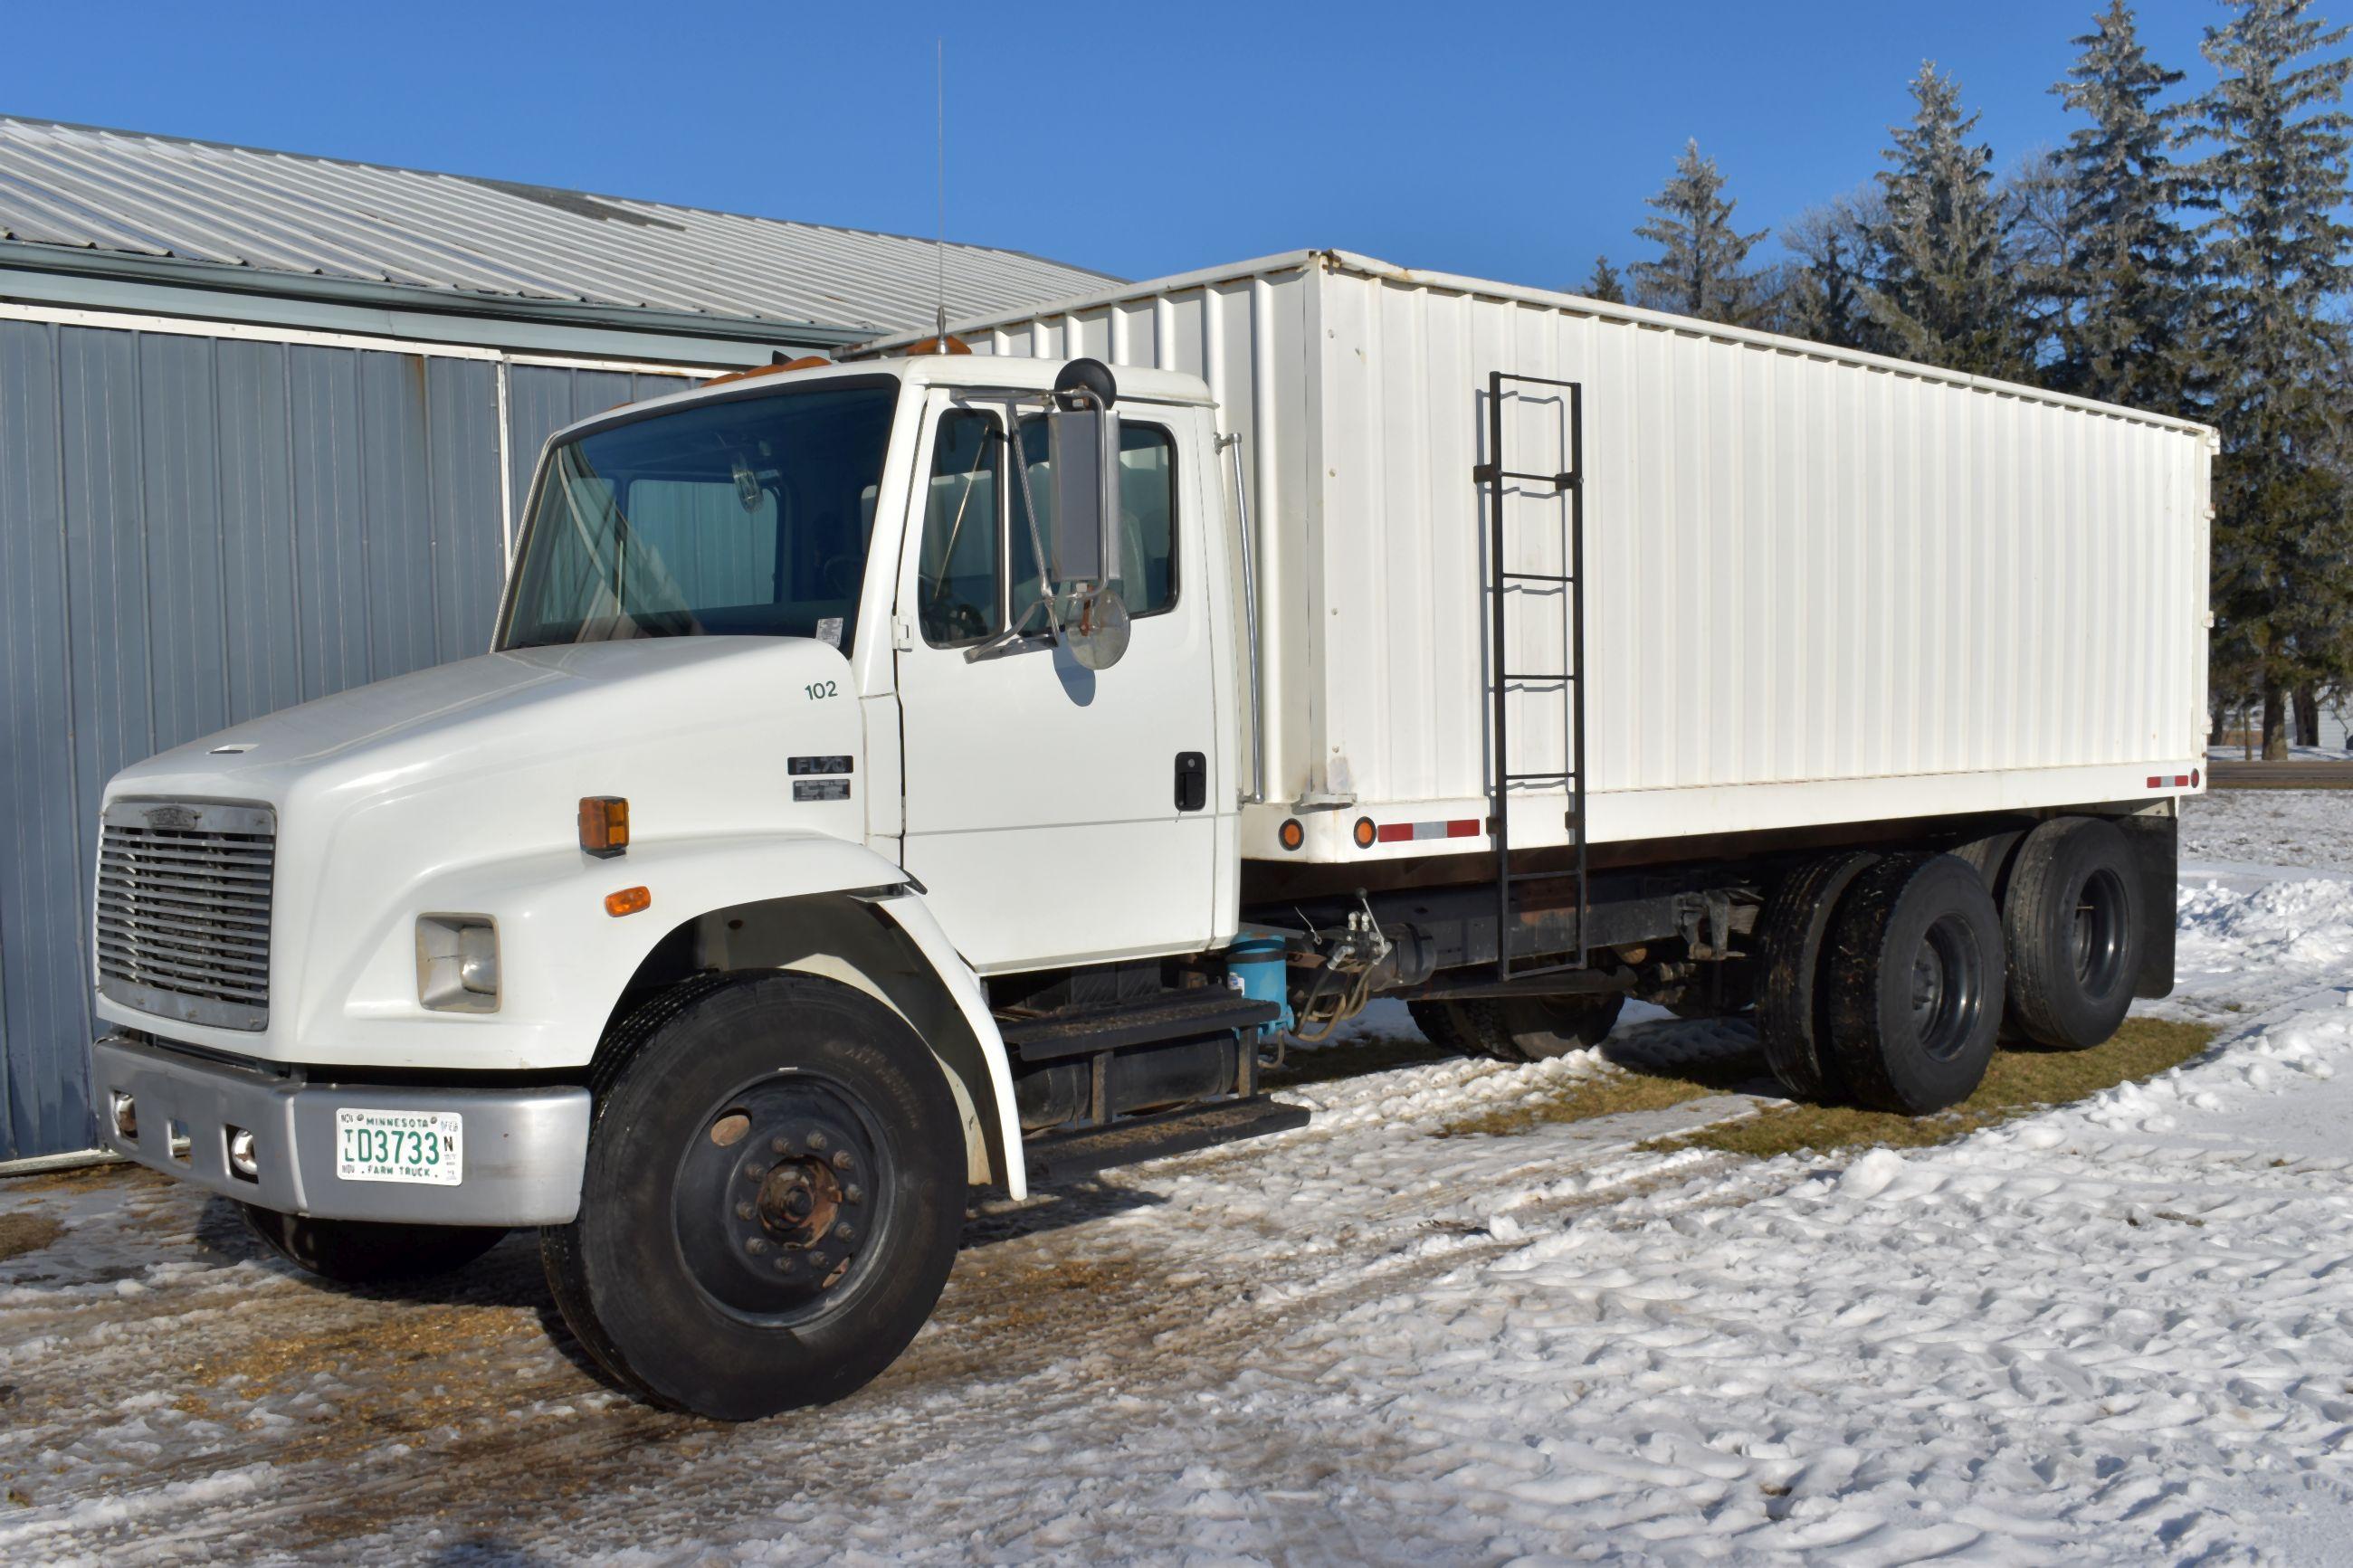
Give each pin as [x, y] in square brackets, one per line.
[2120, 1331]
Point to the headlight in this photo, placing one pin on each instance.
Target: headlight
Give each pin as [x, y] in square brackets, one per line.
[458, 962]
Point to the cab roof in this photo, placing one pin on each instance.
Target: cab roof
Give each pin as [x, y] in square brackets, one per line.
[976, 371]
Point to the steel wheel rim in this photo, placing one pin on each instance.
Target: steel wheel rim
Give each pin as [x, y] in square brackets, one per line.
[779, 1198]
[2095, 933]
[1947, 987]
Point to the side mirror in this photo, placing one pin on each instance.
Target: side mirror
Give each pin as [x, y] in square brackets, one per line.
[1082, 444]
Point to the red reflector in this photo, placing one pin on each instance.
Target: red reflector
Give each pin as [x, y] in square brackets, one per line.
[1395, 832]
[2193, 778]
[1463, 828]
[2155, 783]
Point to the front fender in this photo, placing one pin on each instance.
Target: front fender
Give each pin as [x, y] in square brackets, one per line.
[563, 960]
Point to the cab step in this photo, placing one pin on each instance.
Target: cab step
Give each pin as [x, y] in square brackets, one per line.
[1167, 1016]
[1057, 1157]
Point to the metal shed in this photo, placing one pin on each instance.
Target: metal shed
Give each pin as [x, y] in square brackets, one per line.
[265, 420]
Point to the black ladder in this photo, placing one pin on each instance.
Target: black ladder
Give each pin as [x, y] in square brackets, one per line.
[1498, 479]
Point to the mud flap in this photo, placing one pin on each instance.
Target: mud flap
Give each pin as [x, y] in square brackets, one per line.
[2157, 845]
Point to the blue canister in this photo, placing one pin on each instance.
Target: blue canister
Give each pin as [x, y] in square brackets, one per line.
[1258, 961]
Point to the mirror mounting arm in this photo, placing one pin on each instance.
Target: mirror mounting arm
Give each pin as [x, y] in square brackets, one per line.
[1006, 643]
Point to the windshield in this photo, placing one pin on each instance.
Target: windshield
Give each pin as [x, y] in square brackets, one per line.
[748, 517]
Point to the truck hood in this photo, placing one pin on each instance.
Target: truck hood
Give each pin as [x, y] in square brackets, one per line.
[458, 789]
[486, 714]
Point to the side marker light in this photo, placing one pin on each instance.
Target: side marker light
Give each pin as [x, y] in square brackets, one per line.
[604, 825]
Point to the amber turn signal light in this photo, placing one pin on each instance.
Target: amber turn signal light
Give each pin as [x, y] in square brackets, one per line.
[604, 825]
[1293, 833]
[1365, 833]
[627, 901]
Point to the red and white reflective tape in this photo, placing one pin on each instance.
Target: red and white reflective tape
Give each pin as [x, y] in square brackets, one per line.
[1401, 832]
[2174, 780]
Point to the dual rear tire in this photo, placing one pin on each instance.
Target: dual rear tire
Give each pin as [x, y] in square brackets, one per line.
[1887, 978]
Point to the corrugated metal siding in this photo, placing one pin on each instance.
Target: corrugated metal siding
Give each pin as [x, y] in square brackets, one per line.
[281, 212]
[1802, 568]
[193, 531]
[542, 400]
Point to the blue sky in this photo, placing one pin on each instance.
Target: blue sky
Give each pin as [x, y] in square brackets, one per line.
[1512, 141]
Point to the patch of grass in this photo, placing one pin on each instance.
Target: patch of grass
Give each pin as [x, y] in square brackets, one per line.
[1630, 1086]
[23, 1233]
[2022, 1078]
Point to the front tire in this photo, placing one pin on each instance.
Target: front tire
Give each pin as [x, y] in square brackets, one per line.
[1914, 974]
[364, 1252]
[774, 1196]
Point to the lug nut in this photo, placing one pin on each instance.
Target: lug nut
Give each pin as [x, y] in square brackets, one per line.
[756, 1247]
[754, 1169]
[816, 1140]
[783, 1263]
[817, 1259]
[843, 1231]
[781, 1144]
[841, 1160]
[744, 1211]
[853, 1193]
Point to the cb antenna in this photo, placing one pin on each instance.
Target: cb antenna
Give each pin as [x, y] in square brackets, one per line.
[940, 243]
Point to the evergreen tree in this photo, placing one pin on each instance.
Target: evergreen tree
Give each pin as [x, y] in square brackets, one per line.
[2275, 257]
[1605, 284]
[1821, 292]
[1698, 271]
[1943, 293]
[2123, 272]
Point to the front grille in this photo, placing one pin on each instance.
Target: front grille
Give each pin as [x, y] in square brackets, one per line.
[183, 892]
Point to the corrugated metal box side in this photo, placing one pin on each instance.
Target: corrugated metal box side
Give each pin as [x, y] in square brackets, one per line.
[1818, 586]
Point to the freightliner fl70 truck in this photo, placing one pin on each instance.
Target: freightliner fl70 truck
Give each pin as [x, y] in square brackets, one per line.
[897, 777]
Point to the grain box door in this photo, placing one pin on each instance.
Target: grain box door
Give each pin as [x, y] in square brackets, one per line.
[1043, 800]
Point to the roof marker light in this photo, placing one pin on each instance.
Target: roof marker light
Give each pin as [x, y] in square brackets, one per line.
[806, 362]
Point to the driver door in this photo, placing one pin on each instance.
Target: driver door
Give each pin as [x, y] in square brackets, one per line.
[1055, 814]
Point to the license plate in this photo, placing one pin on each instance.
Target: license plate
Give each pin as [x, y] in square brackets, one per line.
[400, 1146]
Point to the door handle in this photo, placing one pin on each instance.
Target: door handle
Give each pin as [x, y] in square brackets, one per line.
[1192, 780]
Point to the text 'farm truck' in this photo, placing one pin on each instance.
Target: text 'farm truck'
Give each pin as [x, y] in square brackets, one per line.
[900, 776]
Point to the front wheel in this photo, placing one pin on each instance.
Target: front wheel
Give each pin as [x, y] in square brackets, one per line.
[773, 1195]
[366, 1252]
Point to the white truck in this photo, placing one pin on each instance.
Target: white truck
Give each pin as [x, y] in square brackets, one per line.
[895, 777]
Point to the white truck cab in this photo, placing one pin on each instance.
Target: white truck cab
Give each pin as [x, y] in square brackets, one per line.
[897, 777]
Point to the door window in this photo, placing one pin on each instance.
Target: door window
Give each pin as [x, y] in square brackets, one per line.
[1147, 515]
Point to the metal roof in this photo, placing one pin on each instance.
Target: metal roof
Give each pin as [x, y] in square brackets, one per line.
[134, 195]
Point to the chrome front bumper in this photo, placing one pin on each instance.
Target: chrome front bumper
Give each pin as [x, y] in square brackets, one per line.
[524, 1148]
